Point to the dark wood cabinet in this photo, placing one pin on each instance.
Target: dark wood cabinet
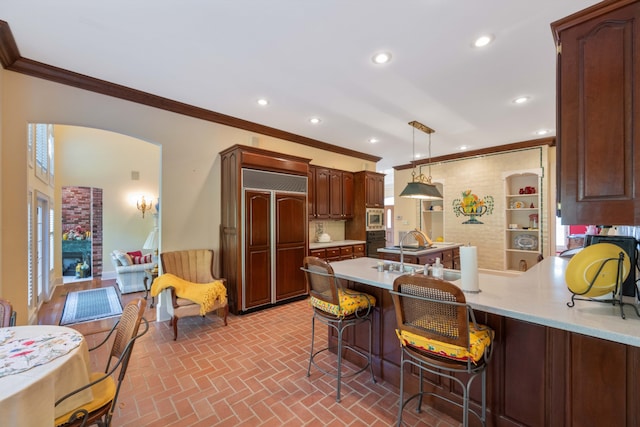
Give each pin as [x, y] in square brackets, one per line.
[320, 192]
[339, 253]
[538, 375]
[450, 258]
[347, 195]
[263, 227]
[368, 193]
[374, 189]
[598, 94]
[257, 271]
[330, 193]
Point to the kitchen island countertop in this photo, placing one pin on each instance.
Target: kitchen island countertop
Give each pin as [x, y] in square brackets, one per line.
[539, 296]
[437, 247]
[334, 243]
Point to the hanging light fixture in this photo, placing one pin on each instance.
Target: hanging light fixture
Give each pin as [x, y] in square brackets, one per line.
[420, 186]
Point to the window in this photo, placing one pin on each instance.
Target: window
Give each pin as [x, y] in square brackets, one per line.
[31, 303]
[42, 135]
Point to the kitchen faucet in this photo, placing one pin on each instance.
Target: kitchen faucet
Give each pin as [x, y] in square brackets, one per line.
[422, 239]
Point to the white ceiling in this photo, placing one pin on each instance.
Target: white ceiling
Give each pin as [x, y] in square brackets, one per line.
[313, 58]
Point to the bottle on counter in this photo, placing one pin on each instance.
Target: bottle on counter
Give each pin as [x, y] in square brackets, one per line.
[437, 270]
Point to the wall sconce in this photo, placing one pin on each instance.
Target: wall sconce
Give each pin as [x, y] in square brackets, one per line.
[143, 205]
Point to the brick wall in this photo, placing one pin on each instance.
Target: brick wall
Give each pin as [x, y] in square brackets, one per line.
[82, 206]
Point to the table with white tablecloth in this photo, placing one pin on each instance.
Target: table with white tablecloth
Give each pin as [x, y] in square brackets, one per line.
[38, 365]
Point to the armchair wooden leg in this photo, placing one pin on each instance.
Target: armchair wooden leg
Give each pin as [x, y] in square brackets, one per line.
[174, 321]
[226, 313]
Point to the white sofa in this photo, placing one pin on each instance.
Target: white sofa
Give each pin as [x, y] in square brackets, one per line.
[130, 277]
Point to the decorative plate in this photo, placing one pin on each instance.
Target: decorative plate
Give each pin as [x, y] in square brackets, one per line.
[584, 267]
[525, 241]
[517, 204]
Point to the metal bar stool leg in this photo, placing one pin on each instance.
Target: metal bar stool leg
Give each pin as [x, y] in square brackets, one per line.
[313, 337]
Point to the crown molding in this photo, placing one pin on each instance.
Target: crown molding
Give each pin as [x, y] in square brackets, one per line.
[11, 60]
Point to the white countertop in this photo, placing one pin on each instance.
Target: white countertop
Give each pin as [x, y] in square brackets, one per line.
[437, 247]
[335, 243]
[538, 296]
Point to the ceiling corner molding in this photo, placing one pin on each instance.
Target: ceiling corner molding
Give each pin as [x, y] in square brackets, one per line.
[516, 146]
[11, 60]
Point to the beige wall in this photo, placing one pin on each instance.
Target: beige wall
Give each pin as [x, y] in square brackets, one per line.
[482, 175]
[190, 165]
[95, 158]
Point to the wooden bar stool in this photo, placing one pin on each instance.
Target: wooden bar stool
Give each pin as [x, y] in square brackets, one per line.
[438, 334]
[338, 308]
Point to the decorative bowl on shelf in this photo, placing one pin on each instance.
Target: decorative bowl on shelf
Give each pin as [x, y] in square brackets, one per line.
[527, 242]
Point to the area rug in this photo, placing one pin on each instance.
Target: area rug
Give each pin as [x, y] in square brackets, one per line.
[92, 304]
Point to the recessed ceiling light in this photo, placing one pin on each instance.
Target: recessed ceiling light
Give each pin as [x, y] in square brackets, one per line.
[482, 41]
[373, 140]
[521, 99]
[542, 132]
[381, 58]
[314, 120]
[463, 147]
[263, 102]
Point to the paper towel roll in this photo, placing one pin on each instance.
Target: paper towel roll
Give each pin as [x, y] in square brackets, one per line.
[469, 269]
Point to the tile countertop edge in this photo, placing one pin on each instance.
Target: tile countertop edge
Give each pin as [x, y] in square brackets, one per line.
[538, 296]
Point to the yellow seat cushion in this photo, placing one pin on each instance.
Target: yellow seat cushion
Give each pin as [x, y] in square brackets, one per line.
[350, 302]
[103, 393]
[479, 340]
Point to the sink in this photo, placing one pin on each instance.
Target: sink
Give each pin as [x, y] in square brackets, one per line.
[394, 267]
[451, 275]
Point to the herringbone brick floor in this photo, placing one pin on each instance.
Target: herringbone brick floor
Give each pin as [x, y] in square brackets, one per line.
[249, 373]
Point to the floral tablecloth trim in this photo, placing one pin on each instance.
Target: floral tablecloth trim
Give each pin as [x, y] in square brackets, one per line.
[20, 355]
[6, 334]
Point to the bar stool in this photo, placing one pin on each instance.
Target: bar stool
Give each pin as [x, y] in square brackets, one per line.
[338, 308]
[438, 334]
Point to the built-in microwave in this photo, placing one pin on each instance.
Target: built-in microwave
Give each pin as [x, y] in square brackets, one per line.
[375, 219]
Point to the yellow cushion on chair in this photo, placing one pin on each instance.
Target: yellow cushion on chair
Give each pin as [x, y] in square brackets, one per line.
[479, 339]
[103, 393]
[350, 302]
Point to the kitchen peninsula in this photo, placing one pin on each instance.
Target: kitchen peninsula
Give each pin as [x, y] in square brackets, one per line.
[552, 365]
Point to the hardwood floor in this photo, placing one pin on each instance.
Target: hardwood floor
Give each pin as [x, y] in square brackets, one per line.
[249, 373]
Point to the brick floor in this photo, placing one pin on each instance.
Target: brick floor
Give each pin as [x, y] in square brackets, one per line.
[249, 373]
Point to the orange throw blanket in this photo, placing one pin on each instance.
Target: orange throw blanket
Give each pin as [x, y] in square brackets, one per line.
[205, 294]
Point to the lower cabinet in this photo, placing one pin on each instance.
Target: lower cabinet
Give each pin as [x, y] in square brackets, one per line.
[450, 258]
[538, 375]
[338, 253]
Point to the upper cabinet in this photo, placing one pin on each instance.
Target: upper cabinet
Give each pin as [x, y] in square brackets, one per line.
[374, 189]
[330, 193]
[598, 143]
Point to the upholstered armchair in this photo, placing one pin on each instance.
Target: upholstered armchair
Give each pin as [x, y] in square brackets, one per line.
[194, 266]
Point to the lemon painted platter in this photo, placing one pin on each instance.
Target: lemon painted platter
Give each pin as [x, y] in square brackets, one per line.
[583, 269]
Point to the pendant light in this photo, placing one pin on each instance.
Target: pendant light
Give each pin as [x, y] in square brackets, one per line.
[420, 186]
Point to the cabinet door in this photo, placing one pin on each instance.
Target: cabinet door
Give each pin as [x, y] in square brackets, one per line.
[311, 192]
[347, 195]
[598, 113]
[335, 194]
[257, 273]
[322, 192]
[290, 245]
[358, 251]
[374, 190]
[320, 253]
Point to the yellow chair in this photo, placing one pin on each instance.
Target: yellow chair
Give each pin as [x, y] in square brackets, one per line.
[339, 309]
[194, 266]
[438, 334]
[104, 387]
